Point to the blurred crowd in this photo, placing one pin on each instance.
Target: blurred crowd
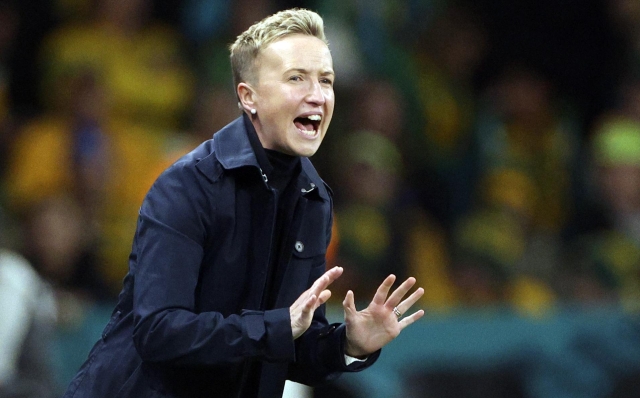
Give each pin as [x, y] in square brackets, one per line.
[489, 148]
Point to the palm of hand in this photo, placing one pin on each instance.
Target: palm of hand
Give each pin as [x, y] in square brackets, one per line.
[375, 326]
[372, 328]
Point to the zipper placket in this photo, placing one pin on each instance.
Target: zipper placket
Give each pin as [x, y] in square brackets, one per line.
[274, 196]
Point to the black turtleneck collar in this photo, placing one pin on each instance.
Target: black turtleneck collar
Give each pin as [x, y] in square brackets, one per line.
[279, 167]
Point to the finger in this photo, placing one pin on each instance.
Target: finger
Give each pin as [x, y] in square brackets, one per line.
[325, 280]
[323, 297]
[308, 307]
[408, 320]
[383, 290]
[410, 301]
[400, 292]
[349, 303]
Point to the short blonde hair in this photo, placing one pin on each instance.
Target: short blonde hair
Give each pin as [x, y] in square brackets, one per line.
[247, 46]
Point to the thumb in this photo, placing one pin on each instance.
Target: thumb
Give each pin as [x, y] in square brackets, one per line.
[349, 303]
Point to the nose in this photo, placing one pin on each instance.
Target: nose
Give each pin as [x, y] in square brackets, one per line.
[316, 93]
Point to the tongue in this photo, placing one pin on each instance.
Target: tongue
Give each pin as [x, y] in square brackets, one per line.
[303, 124]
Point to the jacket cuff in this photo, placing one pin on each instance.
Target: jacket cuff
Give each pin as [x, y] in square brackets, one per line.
[279, 339]
[333, 350]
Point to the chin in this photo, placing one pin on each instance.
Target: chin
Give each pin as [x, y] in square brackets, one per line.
[306, 151]
[303, 148]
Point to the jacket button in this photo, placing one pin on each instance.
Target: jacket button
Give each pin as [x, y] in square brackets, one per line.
[299, 246]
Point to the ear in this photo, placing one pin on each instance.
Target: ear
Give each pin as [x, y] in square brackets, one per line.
[246, 96]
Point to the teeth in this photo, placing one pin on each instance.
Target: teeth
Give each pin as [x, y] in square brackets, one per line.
[309, 133]
[315, 117]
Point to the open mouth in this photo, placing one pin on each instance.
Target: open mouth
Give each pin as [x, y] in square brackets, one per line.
[308, 125]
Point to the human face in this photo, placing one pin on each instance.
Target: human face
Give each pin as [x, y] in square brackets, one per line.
[293, 95]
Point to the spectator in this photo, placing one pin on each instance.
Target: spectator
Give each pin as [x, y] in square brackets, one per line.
[528, 151]
[607, 264]
[211, 26]
[61, 250]
[105, 163]
[136, 59]
[488, 248]
[381, 230]
[439, 145]
[26, 328]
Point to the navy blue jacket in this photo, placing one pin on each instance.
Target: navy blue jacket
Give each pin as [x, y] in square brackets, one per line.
[190, 320]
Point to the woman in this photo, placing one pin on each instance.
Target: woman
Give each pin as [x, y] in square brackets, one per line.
[226, 284]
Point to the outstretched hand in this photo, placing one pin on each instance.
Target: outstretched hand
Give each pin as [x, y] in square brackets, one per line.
[301, 311]
[375, 326]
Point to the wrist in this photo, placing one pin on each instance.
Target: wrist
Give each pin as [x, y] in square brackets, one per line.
[354, 352]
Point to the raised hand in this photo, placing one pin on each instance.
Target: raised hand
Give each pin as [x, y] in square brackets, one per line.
[302, 309]
[375, 326]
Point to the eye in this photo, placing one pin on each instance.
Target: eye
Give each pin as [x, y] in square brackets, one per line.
[295, 78]
[326, 80]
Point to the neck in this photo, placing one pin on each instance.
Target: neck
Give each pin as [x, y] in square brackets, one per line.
[270, 161]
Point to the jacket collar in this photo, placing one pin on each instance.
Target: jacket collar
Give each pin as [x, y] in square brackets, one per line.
[233, 150]
[232, 146]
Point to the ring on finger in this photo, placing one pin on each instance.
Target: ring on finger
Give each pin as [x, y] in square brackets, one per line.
[397, 312]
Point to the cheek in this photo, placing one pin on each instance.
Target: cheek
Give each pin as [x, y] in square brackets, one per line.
[329, 111]
[287, 108]
[330, 100]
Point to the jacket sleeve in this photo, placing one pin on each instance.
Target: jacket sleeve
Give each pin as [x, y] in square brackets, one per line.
[320, 355]
[167, 255]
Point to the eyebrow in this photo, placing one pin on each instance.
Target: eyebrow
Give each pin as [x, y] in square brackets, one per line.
[328, 72]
